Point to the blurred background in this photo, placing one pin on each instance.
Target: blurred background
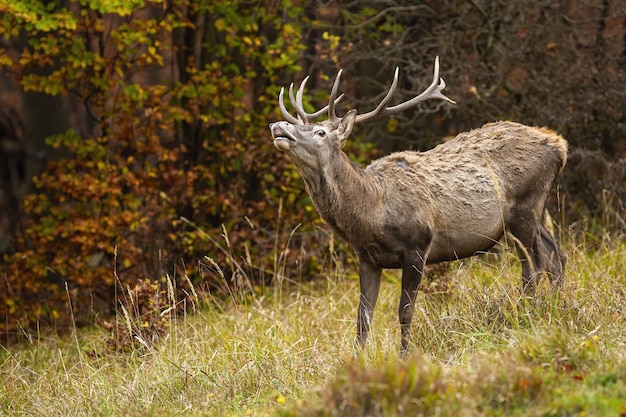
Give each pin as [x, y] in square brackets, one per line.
[134, 140]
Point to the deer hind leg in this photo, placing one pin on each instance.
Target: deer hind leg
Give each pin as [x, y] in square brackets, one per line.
[412, 271]
[369, 279]
[525, 238]
[553, 259]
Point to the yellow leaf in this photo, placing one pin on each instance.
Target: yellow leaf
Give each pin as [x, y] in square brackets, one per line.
[392, 125]
[5, 59]
[220, 24]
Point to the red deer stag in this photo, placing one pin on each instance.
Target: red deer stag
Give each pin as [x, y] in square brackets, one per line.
[412, 208]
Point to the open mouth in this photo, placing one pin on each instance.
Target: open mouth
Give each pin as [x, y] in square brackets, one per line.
[280, 134]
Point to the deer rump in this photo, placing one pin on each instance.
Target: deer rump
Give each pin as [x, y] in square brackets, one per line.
[458, 198]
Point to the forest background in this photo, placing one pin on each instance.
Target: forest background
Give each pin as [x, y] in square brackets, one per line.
[134, 143]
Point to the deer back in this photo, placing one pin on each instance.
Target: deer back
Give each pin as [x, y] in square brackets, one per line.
[469, 186]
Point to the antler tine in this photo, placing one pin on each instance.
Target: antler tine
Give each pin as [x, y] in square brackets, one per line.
[283, 109]
[433, 91]
[383, 103]
[332, 116]
[294, 104]
[298, 105]
[315, 115]
[309, 117]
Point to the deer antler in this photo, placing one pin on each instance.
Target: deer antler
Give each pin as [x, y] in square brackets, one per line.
[433, 91]
[331, 101]
[296, 101]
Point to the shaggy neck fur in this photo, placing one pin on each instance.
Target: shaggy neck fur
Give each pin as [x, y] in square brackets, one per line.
[342, 193]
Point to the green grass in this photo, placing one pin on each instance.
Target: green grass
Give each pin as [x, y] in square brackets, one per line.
[479, 350]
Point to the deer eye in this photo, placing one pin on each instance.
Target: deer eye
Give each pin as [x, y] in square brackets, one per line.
[321, 133]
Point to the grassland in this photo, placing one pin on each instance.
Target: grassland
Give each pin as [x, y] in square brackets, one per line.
[480, 350]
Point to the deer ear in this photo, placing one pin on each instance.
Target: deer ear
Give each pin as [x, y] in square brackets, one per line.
[345, 127]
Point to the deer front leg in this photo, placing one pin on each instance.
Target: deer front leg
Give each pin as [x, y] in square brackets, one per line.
[369, 279]
[412, 270]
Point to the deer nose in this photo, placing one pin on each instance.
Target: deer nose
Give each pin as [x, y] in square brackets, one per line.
[271, 126]
[276, 129]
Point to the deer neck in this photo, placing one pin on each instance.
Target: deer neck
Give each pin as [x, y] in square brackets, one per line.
[344, 195]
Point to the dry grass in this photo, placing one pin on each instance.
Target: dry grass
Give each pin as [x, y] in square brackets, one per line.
[479, 350]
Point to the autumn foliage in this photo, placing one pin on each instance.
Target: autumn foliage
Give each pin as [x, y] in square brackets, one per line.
[173, 152]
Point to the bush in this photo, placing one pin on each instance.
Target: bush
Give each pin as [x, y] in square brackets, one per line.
[178, 95]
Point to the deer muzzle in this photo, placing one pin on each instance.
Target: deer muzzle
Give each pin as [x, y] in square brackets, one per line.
[283, 141]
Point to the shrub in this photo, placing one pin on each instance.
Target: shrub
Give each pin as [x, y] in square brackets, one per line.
[176, 96]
